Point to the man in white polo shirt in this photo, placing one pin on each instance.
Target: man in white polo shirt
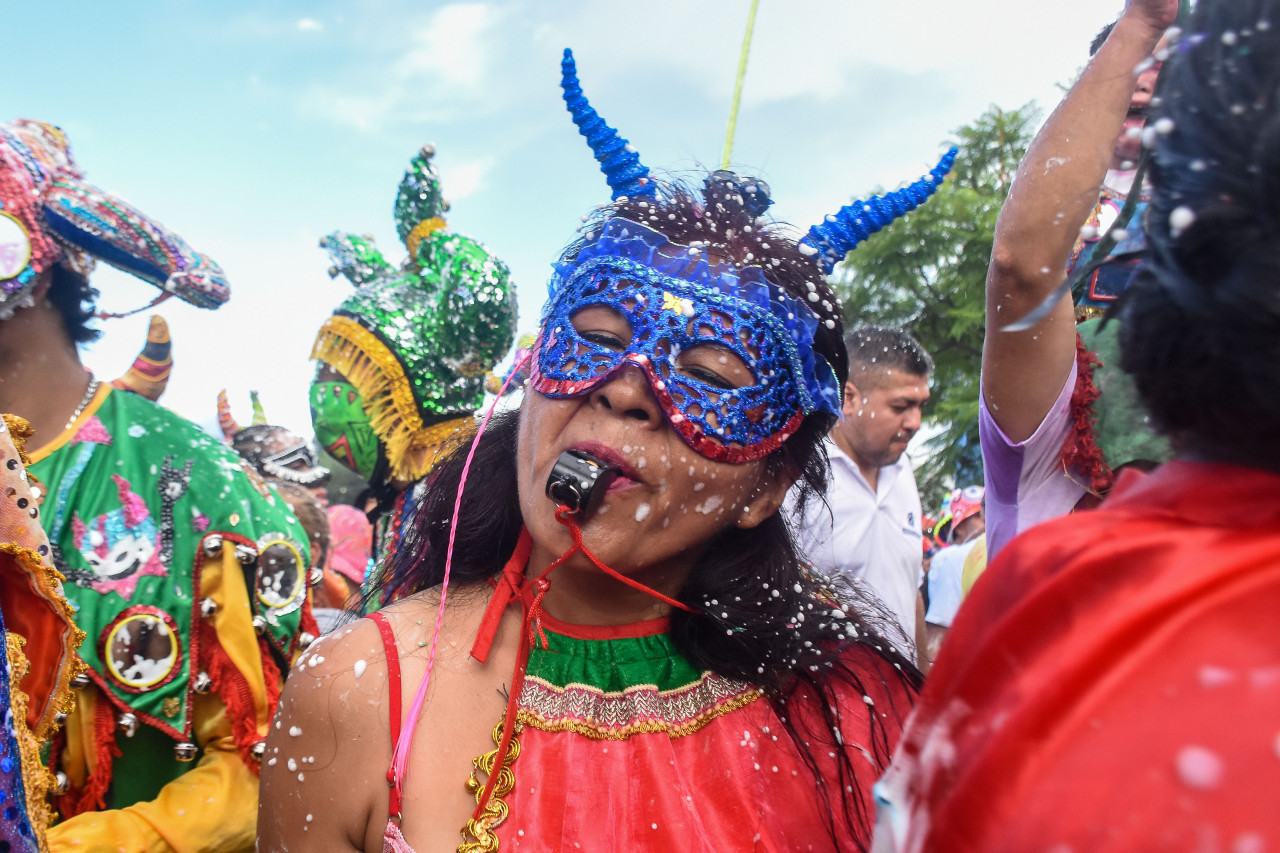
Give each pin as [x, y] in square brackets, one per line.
[869, 529]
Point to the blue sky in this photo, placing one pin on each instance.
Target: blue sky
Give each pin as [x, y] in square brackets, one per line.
[254, 128]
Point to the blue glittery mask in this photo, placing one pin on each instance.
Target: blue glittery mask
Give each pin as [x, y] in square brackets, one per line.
[674, 299]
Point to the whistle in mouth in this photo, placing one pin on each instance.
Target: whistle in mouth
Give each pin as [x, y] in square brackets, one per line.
[578, 479]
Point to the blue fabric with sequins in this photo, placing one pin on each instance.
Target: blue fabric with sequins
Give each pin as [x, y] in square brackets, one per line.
[15, 829]
[674, 299]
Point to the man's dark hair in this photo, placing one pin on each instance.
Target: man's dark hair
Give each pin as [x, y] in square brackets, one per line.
[1096, 44]
[73, 296]
[885, 347]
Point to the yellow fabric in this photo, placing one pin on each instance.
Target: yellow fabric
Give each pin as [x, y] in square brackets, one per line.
[975, 563]
[213, 807]
[223, 581]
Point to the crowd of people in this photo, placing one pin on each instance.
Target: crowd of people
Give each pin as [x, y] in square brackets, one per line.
[668, 583]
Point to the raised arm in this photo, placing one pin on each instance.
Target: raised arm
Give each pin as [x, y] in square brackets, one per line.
[1055, 190]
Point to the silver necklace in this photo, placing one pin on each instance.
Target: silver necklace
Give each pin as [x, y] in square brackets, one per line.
[84, 401]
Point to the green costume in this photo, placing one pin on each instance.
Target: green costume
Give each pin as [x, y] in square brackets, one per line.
[140, 502]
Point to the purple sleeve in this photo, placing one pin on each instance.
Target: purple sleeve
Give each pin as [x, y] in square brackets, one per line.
[1026, 483]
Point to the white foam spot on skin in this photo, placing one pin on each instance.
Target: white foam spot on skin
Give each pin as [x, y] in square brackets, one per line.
[295, 731]
[1200, 768]
[642, 512]
[292, 765]
[359, 667]
[710, 505]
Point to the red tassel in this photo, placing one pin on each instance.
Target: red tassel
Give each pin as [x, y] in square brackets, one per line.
[93, 796]
[1080, 451]
[234, 691]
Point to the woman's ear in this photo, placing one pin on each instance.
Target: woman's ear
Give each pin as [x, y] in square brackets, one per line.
[767, 497]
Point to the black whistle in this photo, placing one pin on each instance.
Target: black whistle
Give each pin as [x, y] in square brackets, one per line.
[578, 479]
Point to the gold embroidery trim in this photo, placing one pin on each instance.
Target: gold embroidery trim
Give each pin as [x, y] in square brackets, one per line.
[478, 836]
[640, 709]
[36, 778]
[671, 729]
[47, 582]
[412, 448]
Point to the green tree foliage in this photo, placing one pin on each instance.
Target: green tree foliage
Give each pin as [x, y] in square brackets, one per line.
[927, 272]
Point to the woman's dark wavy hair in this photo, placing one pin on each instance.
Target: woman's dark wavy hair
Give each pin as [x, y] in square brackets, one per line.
[1201, 321]
[762, 616]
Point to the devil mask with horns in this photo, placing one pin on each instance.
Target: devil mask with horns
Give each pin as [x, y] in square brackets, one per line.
[677, 296]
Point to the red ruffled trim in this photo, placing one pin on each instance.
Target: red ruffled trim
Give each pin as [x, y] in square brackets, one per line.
[235, 692]
[1080, 452]
[93, 796]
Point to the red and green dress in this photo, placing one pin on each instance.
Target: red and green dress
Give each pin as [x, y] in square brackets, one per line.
[622, 744]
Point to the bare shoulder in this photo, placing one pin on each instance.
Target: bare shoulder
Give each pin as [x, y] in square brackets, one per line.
[320, 773]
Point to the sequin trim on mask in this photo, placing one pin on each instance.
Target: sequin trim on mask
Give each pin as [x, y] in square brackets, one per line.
[674, 299]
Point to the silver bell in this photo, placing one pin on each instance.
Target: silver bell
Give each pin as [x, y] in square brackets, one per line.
[60, 782]
[81, 681]
[305, 639]
[59, 718]
[315, 576]
[185, 751]
[260, 624]
[246, 554]
[128, 724]
[203, 683]
[212, 545]
[259, 749]
[208, 607]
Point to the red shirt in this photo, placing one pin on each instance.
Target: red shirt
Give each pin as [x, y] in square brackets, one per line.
[1112, 683]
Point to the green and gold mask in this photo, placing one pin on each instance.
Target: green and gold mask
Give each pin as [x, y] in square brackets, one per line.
[342, 427]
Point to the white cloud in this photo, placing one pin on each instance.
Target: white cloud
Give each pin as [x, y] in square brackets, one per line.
[310, 25]
[432, 71]
[464, 179]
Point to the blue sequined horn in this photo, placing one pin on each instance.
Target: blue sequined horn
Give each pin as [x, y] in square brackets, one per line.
[621, 165]
[833, 238]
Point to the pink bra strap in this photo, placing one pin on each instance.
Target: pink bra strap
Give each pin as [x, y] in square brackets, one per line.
[393, 684]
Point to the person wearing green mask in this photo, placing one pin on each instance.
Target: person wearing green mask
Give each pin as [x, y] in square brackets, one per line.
[401, 363]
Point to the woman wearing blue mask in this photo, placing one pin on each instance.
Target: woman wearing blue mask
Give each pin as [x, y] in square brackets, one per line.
[633, 655]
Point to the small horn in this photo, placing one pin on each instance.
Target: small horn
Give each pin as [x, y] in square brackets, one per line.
[148, 376]
[226, 422]
[259, 416]
[832, 239]
[621, 165]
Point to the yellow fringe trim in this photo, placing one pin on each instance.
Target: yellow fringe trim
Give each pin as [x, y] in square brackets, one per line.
[478, 835]
[36, 778]
[369, 365]
[420, 232]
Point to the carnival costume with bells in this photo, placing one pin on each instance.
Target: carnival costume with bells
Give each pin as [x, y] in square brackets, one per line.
[185, 570]
[38, 660]
[413, 345]
[604, 716]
